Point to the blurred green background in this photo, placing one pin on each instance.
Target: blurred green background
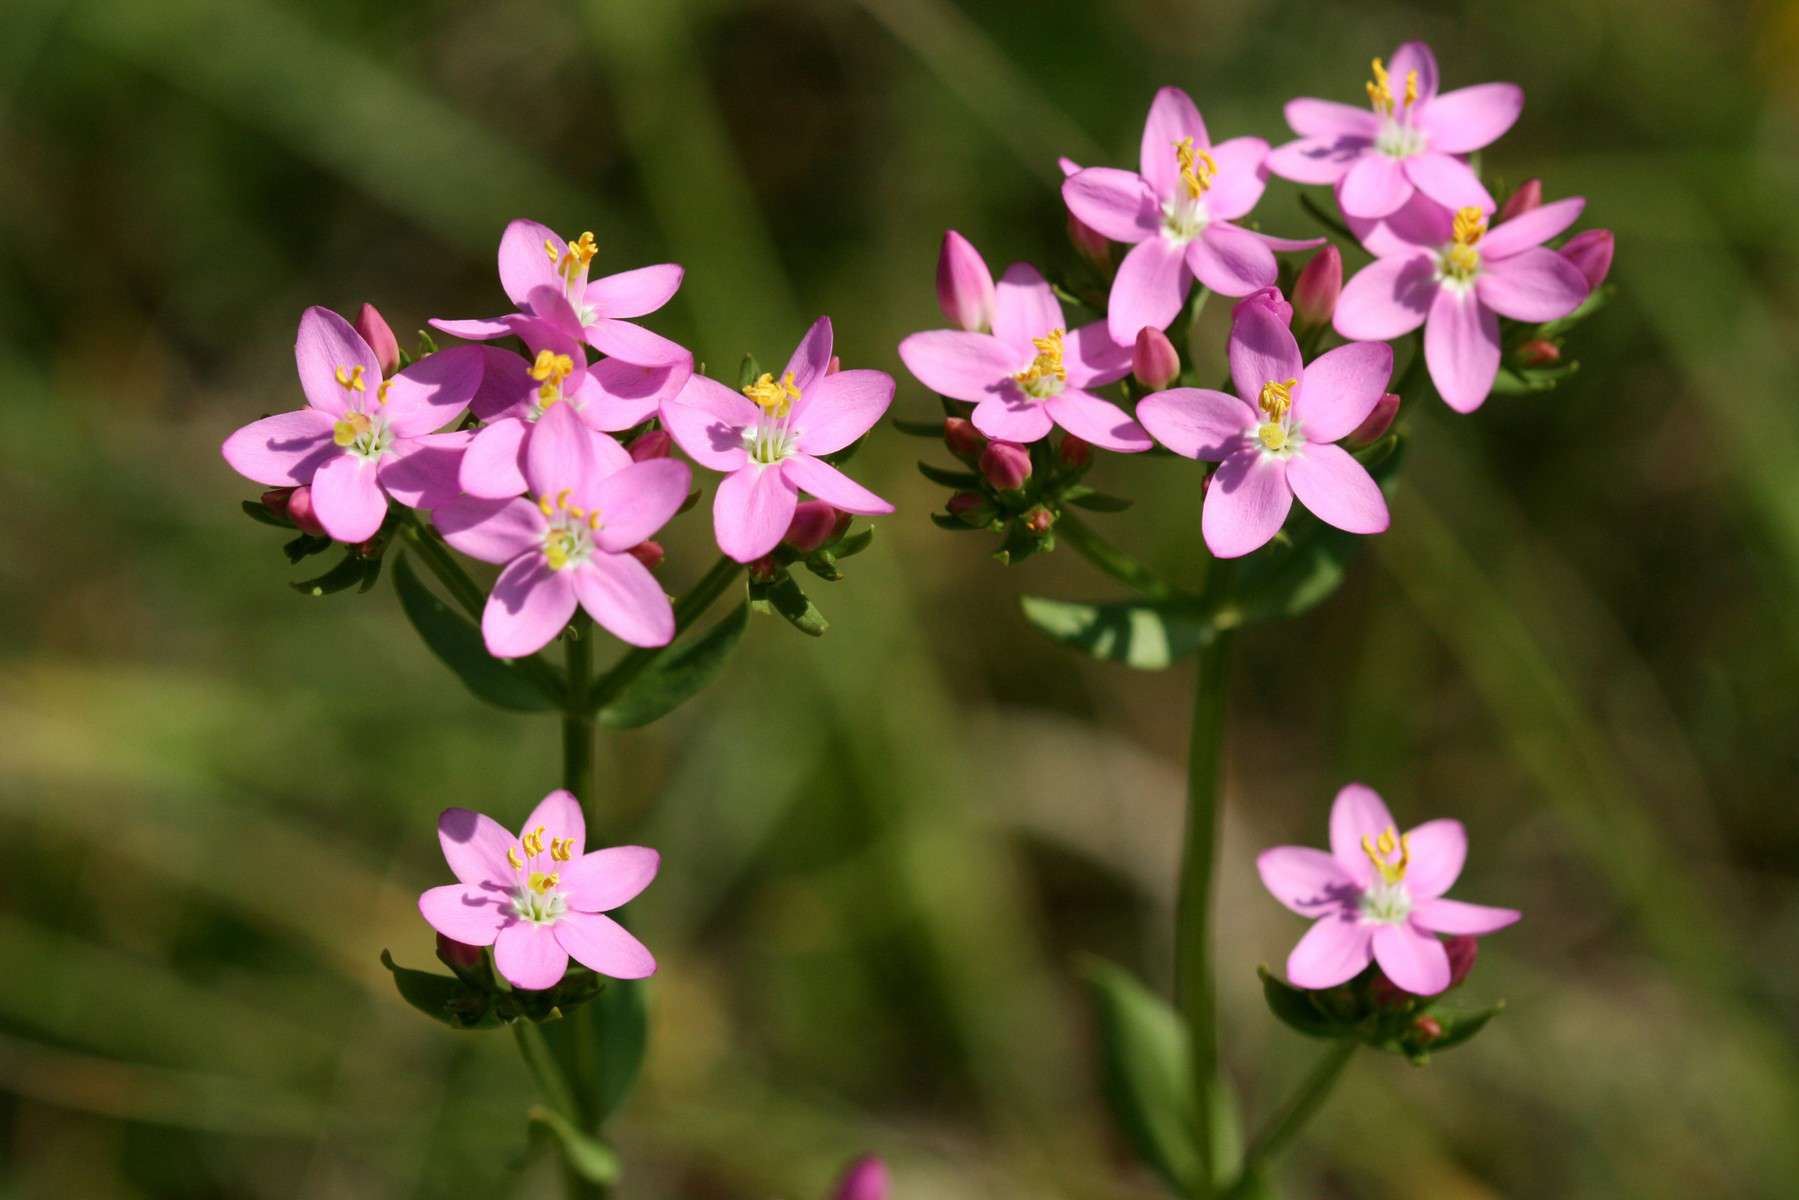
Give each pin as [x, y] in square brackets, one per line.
[884, 851]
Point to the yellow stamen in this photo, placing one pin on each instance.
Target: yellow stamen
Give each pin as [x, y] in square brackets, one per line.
[550, 370]
[381, 392]
[1277, 398]
[518, 864]
[562, 849]
[1380, 853]
[558, 549]
[1048, 362]
[350, 378]
[771, 396]
[580, 253]
[1470, 224]
[543, 502]
[350, 426]
[550, 248]
[1380, 94]
[533, 842]
[1198, 167]
[541, 883]
[1411, 88]
[593, 519]
[1462, 259]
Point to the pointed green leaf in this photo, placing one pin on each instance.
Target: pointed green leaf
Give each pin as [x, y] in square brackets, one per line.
[960, 480]
[677, 675]
[1144, 635]
[458, 645]
[785, 596]
[923, 429]
[1086, 497]
[350, 570]
[1143, 1052]
[259, 512]
[442, 997]
[586, 1155]
[855, 543]
[1293, 1007]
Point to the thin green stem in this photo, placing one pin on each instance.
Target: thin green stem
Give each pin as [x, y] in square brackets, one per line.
[1292, 1116]
[1325, 219]
[577, 720]
[688, 609]
[550, 1081]
[434, 554]
[1110, 559]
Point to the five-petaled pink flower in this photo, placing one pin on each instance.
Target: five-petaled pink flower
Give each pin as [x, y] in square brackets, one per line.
[1031, 371]
[1405, 142]
[571, 544]
[546, 277]
[1450, 273]
[1179, 212]
[536, 898]
[769, 436]
[1275, 439]
[1377, 896]
[362, 438]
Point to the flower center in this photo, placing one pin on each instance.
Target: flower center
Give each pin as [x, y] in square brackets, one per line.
[571, 263]
[1380, 91]
[549, 370]
[1184, 214]
[771, 440]
[1460, 260]
[1398, 137]
[1387, 903]
[1277, 434]
[535, 897]
[362, 434]
[568, 542]
[1380, 853]
[1046, 374]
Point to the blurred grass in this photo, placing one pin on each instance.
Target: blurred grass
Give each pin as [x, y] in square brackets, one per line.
[884, 849]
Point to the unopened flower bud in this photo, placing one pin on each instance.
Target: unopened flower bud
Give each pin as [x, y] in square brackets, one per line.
[964, 284]
[834, 366]
[1428, 1028]
[1316, 290]
[864, 1179]
[1269, 298]
[813, 523]
[1374, 427]
[971, 508]
[275, 500]
[1154, 362]
[1591, 251]
[1462, 951]
[1090, 243]
[458, 956]
[371, 548]
[300, 512]
[1006, 465]
[1075, 452]
[1528, 196]
[1539, 352]
[962, 438]
[763, 570]
[649, 553]
[656, 443]
[375, 331]
[1039, 520]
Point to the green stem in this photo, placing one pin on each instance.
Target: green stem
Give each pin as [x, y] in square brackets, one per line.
[537, 1056]
[577, 720]
[1110, 559]
[688, 609]
[434, 554]
[1325, 219]
[1292, 1116]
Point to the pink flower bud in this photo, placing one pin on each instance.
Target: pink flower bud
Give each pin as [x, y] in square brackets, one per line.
[834, 366]
[864, 1179]
[963, 439]
[970, 507]
[763, 570]
[648, 553]
[1528, 196]
[1316, 290]
[654, 444]
[1074, 452]
[1090, 243]
[300, 512]
[275, 500]
[1428, 1028]
[1462, 951]
[1591, 251]
[1374, 427]
[1154, 362]
[1006, 465]
[813, 523]
[1539, 352]
[1269, 298]
[374, 330]
[458, 956]
[964, 284]
[1039, 520]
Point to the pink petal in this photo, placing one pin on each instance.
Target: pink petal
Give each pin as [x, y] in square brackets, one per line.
[1455, 916]
[1436, 852]
[1261, 350]
[812, 355]
[1449, 181]
[1316, 159]
[1471, 117]
[751, 511]
[1024, 308]
[491, 531]
[620, 593]
[466, 914]
[1337, 489]
[1231, 261]
[1374, 186]
[506, 385]
[1116, 204]
[1532, 285]
[1098, 421]
[1092, 358]
[482, 329]
[283, 450]
[530, 604]
[493, 467]
[1409, 57]
[1461, 349]
[1388, 298]
[325, 343]
[635, 344]
[1334, 950]
[1308, 881]
[1531, 229]
[1357, 812]
[1246, 504]
[1340, 387]
[524, 262]
[1284, 244]
[1012, 417]
[1242, 177]
[424, 472]
[1418, 224]
[530, 956]
[634, 293]
[617, 395]
[1413, 959]
[962, 366]
[558, 815]
[347, 499]
[831, 485]
[559, 453]
[605, 879]
[707, 420]
[1197, 422]
[633, 503]
[601, 944]
[475, 846]
[838, 409]
[433, 391]
[1152, 282]
[1172, 116]
[1330, 120]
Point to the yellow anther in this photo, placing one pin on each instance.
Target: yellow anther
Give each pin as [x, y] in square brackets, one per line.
[533, 842]
[1470, 224]
[1462, 260]
[1048, 363]
[772, 396]
[593, 519]
[518, 864]
[580, 253]
[541, 883]
[543, 502]
[349, 427]
[381, 392]
[1277, 398]
[550, 370]
[550, 248]
[562, 502]
[1198, 167]
[562, 849]
[1411, 88]
[1380, 93]
[1380, 853]
[350, 378]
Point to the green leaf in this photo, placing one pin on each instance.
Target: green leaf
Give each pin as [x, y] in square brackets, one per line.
[350, 570]
[458, 645]
[855, 543]
[823, 564]
[1293, 1007]
[748, 371]
[1086, 497]
[953, 524]
[677, 675]
[960, 480]
[921, 429]
[786, 598]
[259, 512]
[624, 1032]
[1150, 636]
[586, 1155]
[1143, 1054]
[304, 547]
[1519, 381]
[442, 997]
[1460, 1025]
[1595, 301]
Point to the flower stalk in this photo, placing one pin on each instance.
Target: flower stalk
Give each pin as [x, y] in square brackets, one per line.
[1291, 1117]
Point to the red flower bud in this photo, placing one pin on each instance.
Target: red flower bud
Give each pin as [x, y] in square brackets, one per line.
[864, 1179]
[1462, 951]
[648, 553]
[1539, 352]
[1269, 298]
[1591, 251]
[1154, 361]
[1528, 196]
[653, 444]
[1374, 427]
[1316, 290]
[763, 570]
[1428, 1028]
[964, 284]
[963, 439]
[813, 523]
[1039, 520]
[275, 500]
[1074, 452]
[300, 512]
[834, 366]
[970, 507]
[458, 956]
[1090, 243]
[375, 331]
[1006, 465]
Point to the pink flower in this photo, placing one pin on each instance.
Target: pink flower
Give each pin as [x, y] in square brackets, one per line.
[572, 543]
[537, 899]
[769, 436]
[1031, 372]
[361, 439]
[1275, 439]
[1451, 274]
[546, 277]
[1406, 141]
[1178, 214]
[1376, 897]
[964, 284]
[864, 1179]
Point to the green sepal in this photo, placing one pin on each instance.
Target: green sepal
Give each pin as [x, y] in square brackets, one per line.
[459, 646]
[1520, 381]
[1297, 1009]
[305, 546]
[823, 564]
[351, 570]
[677, 676]
[748, 371]
[444, 998]
[961, 481]
[785, 597]
[259, 512]
[854, 543]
